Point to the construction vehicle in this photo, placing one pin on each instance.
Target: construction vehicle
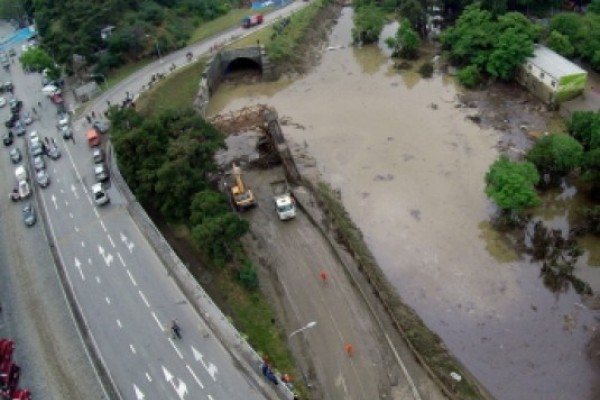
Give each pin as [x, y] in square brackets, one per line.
[249, 22]
[285, 205]
[242, 197]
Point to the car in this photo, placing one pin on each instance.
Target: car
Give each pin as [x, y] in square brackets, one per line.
[34, 135]
[36, 149]
[11, 121]
[7, 138]
[21, 394]
[15, 155]
[53, 152]
[39, 163]
[27, 119]
[42, 178]
[12, 52]
[63, 120]
[8, 87]
[99, 195]
[56, 98]
[101, 126]
[66, 132]
[9, 376]
[101, 172]
[2, 101]
[23, 189]
[15, 105]
[18, 128]
[28, 213]
[98, 155]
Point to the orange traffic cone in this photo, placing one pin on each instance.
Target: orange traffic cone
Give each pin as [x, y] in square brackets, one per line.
[349, 349]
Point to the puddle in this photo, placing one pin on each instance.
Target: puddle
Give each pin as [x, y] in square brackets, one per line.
[410, 169]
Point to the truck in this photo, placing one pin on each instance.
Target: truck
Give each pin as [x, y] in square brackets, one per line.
[252, 20]
[285, 205]
[242, 197]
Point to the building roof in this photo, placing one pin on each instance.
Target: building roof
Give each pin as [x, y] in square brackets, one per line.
[552, 63]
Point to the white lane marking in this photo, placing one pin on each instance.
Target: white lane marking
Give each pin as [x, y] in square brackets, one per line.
[101, 223]
[121, 259]
[144, 299]
[119, 323]
[78, 266]
[148, 377]
[66, 203]
[132, 348]
[107, 300]
[157, 321]
[62, 191]
[96, 213]
[74, 190]
[175, 348]
[76, 228]
[194, 376]
[210, 368]
[108, 258]
[89, 198]
[210, 397]
[82, 244]
[111, 241]
[53, 198]
[90, 261]
[130, 245]
[98, 279]
[71, 215]
[131, 278]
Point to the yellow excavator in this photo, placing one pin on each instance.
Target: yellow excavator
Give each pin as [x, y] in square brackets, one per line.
[242, 196]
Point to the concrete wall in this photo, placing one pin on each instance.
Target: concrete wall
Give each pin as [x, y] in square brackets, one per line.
[215, 69]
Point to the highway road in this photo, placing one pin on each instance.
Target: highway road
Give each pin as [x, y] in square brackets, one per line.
[122, 289]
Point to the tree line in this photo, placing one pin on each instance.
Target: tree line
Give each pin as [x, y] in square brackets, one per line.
[167, 159]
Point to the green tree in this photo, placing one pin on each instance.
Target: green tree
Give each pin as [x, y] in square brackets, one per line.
[368, 24]
[511, 185]
[207, 204]
[36, 59]
[510, 51]
[561, 44]
[591, 172]
[218, 236]
[414, 12]
[594, 7]
[583, 125]
[556, 155]
[469, 76]
[408, 41]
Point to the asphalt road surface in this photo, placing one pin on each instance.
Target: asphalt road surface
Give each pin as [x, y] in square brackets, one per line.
[119, 283]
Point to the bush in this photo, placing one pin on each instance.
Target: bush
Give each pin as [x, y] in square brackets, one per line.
[426, 70]
[469, 76]
[248, 275]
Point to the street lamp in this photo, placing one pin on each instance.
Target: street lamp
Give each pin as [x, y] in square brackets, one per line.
[157, 48]
[101, 76]
[311, 324]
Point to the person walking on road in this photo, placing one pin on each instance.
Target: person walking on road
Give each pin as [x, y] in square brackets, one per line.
[89, 120]
[34, 110]
[39, 104]
[324, 276]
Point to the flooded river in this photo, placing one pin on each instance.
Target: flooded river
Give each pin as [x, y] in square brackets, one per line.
[411, 169]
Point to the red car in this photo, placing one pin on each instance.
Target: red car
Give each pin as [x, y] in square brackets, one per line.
[7, 347]
[21, 394]
[9, 378]
[56, 98]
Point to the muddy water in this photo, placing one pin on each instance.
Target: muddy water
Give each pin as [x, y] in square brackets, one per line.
[410, 169]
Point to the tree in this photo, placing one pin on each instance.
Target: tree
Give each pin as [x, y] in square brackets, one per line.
[207, 204]
[511, 185]
[217, 236]
[556, 155]
[36, 59]
[594, 7]
[469, 76]
[510, 51]
[408, 41]
[582, 126]
[414, 12]
[561, 44]
[368, 24]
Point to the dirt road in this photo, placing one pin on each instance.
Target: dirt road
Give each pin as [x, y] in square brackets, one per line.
[295, 253]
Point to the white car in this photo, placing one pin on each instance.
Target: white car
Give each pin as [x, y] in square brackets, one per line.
[2, 101]
[63, 120]
[42, 178]
[33, 136]
[100, 196]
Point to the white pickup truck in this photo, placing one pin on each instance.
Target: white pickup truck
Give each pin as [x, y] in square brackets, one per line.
[285, 205]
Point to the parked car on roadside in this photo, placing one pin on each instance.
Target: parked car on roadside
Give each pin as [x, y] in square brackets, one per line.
[36, 148]
[63, 120]
[39, 163]
[53, 152]
[42, 178]
[99, 195]
[29, 216]
[27, 119]
[98, 155]
[15, 155]
[2, 101]
[66, 132]
[19, 129]
[101, 172]
[101, 126]
[7, 138]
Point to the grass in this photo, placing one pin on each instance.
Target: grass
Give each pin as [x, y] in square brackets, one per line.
[177, 91]
[419, 337]
[230, 20]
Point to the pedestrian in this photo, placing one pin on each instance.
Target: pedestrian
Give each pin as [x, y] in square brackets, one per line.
[349, 349]
[108, 102]
[34, 110]
[73, 138]
[89, 120]
[46, 140]
[93, 115]
[39, 104]
[324, 275]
